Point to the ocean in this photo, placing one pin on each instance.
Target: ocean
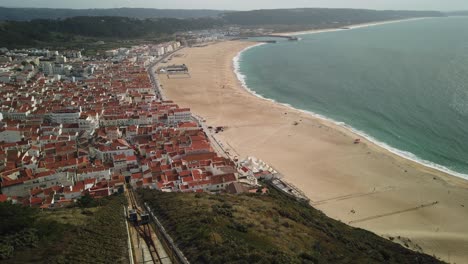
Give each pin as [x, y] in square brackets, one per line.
[401, 85]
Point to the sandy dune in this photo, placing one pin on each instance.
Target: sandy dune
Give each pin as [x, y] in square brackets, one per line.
[362, 184]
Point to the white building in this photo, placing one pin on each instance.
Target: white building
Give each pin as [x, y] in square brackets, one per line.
[93, 173]
[5, 59]
[111, 53]
[160, 51]
[73, 54]
[168, 49]
[10, 135]
[61, 59]
[67, 69]
[46, 180]
[58, 69]
[47, 67]
[176, 45]
[176, 116]
[106, 152]
[88, 123]
[5, 77]
[65, 116]
[13, 115]
[123, 51]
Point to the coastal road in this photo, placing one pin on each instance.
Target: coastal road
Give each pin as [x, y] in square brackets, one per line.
[153, 78]
[217, 145]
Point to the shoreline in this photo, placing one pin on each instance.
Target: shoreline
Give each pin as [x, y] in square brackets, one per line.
[358, 133]
[318, 157]
[350, 27]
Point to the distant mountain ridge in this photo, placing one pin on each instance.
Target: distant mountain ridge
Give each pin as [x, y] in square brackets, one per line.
[65, 31]
[320, 16]
[26, 14]
[458, 13]
[276, 16]
[54, 27]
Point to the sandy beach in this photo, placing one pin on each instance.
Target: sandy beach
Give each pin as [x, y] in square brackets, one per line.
[363, 185]
[297, 33]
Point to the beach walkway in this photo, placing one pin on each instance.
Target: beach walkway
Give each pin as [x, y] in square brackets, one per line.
[394, 213]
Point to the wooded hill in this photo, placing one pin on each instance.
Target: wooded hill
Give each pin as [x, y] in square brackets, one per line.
[35, 32]
[25, 14]
[319, 16]
[58, 32]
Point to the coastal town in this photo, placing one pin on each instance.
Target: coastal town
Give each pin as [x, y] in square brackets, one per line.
[74, 126]
[215, 136]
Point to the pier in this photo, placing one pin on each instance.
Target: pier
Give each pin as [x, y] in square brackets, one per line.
[267, 41]
[290, 38]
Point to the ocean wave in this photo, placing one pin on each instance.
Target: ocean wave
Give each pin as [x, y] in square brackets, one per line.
[401, 153]
[236, 62]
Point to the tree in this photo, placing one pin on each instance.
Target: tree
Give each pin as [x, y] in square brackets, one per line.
[14, 218]
[86, 201]
[6, 250]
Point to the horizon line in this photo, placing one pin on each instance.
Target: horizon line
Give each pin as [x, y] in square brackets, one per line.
[233, 10]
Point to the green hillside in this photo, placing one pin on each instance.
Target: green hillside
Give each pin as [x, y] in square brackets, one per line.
[95, 234]
[272, 228]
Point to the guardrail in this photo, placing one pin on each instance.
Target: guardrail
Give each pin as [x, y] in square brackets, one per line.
[176, 254]
[129, 239]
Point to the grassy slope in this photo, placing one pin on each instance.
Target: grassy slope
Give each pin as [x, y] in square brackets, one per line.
[267, 229]
[94, 235]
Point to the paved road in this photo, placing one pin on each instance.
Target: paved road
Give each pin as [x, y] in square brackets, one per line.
[154, 80]
[217, 145]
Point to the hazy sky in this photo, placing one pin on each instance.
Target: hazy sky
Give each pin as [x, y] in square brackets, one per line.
[244, 4]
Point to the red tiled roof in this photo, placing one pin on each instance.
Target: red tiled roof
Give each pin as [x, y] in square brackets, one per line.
[137, 176]
[89, 181]
[35, 201]
[12, 182]
[147, 180]
[131, 158]
[36, 191]
[3, 198]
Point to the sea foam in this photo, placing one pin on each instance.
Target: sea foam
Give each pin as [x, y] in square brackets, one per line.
[401, 153]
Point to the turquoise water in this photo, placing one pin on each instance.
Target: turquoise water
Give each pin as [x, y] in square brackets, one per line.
[403, 85]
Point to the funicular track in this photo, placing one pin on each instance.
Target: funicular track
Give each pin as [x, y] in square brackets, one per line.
[143, 228]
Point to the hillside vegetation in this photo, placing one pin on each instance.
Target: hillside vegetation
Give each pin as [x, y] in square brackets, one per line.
[320, 17]
[300, 15]
[270, 228]
[73, 235]
[123, 26]
[25, 14]
[37, 32]
[286, 20]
